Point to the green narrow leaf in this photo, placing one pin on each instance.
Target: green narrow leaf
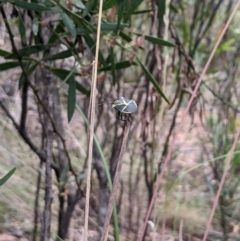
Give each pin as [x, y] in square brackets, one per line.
[29, 72]
[185, 29]
[173, 8]
[89, 6]
[63, 74]
[80, 4]
[109, 27]
[226, 46]
[109, 4]
[68, 22]
[22, 30]
[156, 40]
[120, 65]
[143, 11]
[35, 26]
[113, 66]
[159, 41]
[27, 51]
[55, 33]
[133, 5]
[62, 55]
[125, 36]
[7, 176]
[153, 80]
[31, 6]
[120, 10]
[161, 10]
[68, 77]
[81, 31]
[4, 53]
[76, 18]
[9, 65]
[71, 96]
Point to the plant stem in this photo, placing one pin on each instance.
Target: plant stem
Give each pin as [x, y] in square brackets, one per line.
[115, 182]
[91, 122]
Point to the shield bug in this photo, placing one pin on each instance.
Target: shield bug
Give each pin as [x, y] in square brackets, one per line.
[124, 107]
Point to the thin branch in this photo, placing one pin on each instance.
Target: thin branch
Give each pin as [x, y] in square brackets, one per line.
[115, 182]
[36, 204]
[221, 99]
[24, 106]
[91, 122]
[172, 144]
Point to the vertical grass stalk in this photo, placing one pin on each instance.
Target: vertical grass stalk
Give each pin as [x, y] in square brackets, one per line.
[91, 122]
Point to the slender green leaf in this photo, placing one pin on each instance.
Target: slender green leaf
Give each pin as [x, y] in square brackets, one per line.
[62, 55]
[71, 96]
[55, 33]
[7, 176]
[120, 12]
[79, 3]
[31, 6]
[68, 22]
[133, 5]
[109, 59]
[113, 66]
[109, 4]
[159, 41]
[35, 26]
[8, 65]
[105, 27]
[55, 9]
[22, 29]
[68, 77]
[125, 36]
[173, 8]
[161, 11]
[153, 80]
[29, 71]
[120, 65]
[27, 51]
[226, 46]
[82, 31]
[156, 40]
[108, 27]
[46, 3]
[185, 30]
[89, 6]
[4, 53]
[62, 74]
[143, 11]
[76, 18]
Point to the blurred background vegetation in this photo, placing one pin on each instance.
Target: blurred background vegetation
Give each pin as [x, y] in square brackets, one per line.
[150, 51]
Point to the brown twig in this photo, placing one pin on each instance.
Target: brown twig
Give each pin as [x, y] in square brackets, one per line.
[172, 144]
[115, 182]
[221, 99]
[215, 203]
[36, 204]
